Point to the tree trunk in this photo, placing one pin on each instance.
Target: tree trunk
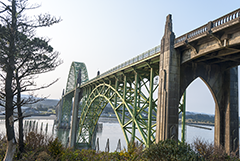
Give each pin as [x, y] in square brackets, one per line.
[11, 148]
[20, 118]
[9, 119]
[20, 128]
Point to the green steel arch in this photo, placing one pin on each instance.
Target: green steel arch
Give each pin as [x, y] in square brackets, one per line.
[134, 109]
[69, 92]
[73, 74]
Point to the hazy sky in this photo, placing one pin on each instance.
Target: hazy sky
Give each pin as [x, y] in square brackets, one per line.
[106, 33]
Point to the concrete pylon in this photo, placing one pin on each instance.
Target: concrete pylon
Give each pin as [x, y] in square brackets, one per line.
[59, 115]
[74, 123]
[73, 129]
[226, 112]
[222, 81]
[169, 84]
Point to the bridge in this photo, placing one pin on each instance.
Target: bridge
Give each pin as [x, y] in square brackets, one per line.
[145, 91]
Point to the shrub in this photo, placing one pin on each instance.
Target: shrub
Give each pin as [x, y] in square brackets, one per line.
[3, 146]
[169, 150]
[36, 147]
[35, 140]
[210, 152]
[133, 151]
[55, 148]
[28, 156]
[87, 155]
[44, 156]
[42, 148]
[69, 155]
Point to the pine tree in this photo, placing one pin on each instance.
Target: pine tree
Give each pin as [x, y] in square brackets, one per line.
[22, 57]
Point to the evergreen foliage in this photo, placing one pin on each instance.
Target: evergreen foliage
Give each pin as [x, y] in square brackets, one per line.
[169, 150]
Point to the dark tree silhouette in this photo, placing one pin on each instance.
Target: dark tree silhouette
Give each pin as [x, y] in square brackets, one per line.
[22, 57]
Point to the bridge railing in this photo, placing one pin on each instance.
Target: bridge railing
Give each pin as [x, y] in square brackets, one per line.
[129, 62]
[226, 18]
[203, 29]
[192, 34]
[134, 60]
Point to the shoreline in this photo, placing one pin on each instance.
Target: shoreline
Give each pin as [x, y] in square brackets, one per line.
[106, 120]
[198, 123]
[47, 117]
[50, 117]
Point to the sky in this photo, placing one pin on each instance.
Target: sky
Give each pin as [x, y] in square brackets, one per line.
[106, 33]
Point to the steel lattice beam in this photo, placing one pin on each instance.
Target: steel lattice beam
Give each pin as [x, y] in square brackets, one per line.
[131, 98]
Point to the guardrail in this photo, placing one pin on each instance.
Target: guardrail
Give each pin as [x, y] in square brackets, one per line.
[134, 60]
[207, 27]
[196, 32]
[129, 62]
[226, 18]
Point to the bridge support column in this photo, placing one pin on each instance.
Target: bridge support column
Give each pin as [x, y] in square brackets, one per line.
[136, 88]
[73, 129]
[74, 123]
[59, 116]
[226, 112]
[150, 107]
[169, 83]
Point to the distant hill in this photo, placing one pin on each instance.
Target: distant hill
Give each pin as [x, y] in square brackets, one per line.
[196, 113]
[198, 117]
[49, 102]
[45, 103]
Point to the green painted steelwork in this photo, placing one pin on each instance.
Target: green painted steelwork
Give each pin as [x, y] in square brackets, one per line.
[131, 92]
[128, 95]
[135, 106]
[73, 74]
[182, 109]
[150, 107]
[69, 92]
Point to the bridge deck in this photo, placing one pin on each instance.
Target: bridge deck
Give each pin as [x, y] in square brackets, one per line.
[128, 68]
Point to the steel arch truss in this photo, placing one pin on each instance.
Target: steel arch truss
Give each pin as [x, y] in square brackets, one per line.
[69, 92]
[73, 74]
[132, 96]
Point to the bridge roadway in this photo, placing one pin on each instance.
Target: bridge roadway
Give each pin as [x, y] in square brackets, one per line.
[210, 52]
[138, 62]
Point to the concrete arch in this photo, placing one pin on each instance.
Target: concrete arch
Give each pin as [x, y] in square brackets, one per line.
[223, 84]
[208, 88]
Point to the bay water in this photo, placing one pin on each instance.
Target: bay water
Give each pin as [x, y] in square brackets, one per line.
[111, 130]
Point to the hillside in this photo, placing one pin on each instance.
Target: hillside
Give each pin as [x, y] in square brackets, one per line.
[192, 117]
[48, 102]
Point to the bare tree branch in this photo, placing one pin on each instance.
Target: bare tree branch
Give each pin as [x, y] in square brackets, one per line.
[42, 87]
